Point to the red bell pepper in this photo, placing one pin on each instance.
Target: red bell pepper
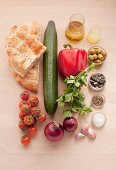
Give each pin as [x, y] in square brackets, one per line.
[72, 61]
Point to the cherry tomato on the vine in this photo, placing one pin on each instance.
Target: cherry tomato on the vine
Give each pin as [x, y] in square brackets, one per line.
[32, 131]
[33, 101]
[21, 115]
[22, 103]
[42, 117]
[29, 120]
[36, 112]
[25, 95]
[22, 125]
[25, 140]
[25, 109]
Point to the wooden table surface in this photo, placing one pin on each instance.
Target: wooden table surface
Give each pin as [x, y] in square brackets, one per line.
[65, 155]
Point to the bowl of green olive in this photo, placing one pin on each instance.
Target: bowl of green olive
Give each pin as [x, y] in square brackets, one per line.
[97, 55]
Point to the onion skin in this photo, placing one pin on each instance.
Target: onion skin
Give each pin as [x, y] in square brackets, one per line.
[70, 124]
[54, 131]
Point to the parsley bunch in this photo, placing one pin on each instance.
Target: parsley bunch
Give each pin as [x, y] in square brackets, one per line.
[73, 100]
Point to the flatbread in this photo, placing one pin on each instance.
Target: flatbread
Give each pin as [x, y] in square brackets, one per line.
[21, 63]
[14, 48]
[30, 81]
[23, 47]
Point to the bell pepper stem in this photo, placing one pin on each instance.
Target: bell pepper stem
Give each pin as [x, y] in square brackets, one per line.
[67, 45]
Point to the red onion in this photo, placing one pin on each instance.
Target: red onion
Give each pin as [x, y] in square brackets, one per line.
[54, 131]
[70, 124]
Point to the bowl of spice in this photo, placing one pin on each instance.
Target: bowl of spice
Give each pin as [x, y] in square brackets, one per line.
[97, 81]
[97, 55]
[97, 101]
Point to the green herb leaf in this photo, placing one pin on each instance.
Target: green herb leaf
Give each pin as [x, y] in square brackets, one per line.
[74, 109]
[85, 110]
[70, 81]
[68, 90]
[75, 93]
[78, 103]
[67, 113]
[60, 99]
[61, 104]
[77, 84]
[68, 97]
[73, 100]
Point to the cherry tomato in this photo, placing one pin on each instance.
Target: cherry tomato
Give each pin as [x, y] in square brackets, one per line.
[29, 120]
[42, 117]
[22, 125]
[25, 140]
[33, 101]
[36, 112]
[32, 131]
[21, 115]
[25, 109]
[25, 95]
[22, 103]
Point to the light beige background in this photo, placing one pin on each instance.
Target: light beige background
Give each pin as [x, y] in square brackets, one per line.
[65, 155]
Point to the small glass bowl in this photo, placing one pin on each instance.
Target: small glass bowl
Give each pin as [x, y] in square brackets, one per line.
[98, 47]
[100, 125]
[98, 106]
[95, 88]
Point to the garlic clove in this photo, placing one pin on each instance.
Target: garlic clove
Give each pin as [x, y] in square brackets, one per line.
[91, 134]
[79, 136]
[84, 130]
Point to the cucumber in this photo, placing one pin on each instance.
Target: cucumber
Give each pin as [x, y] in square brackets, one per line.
[50, 70]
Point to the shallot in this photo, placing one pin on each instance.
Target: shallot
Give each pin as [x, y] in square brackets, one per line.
[70, 124]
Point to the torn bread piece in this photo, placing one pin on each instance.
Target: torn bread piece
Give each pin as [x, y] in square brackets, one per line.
[16, 46]
[23, 47]
[22, 62]
[30, 81]
[23, 30]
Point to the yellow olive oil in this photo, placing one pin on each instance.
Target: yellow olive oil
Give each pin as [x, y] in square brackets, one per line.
[75, 31]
